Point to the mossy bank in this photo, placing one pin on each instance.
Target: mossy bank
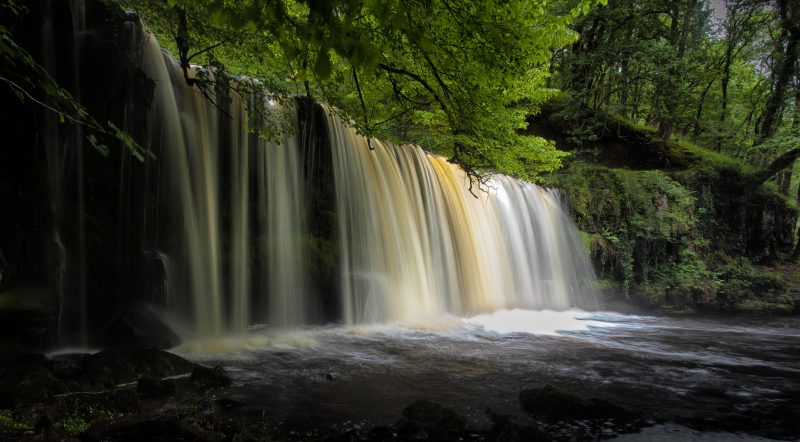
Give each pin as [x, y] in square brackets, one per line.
[670, 227]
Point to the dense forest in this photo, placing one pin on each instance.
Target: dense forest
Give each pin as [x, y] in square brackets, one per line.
[678, 121]
[683, 117]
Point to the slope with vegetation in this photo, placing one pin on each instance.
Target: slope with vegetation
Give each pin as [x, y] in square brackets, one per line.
[683, 123]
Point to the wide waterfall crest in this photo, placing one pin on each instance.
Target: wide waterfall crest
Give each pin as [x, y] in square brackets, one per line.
[322, 226]
[412, 240]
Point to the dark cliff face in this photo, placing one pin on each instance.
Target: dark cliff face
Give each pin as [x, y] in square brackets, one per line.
[83, 230]
[63, 223]
[761, 229]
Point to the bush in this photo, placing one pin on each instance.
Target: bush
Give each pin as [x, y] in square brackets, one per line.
[741, 283]
[635, 224]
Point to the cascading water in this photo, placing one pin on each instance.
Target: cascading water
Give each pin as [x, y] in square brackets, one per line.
[414, 242]
[243, 229]
[65, 163]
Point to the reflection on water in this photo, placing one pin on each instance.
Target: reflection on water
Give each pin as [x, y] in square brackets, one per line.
[675, 369]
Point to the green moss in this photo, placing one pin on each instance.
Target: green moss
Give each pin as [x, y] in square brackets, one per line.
[743, 287]
[698, 154]
[633, 223]
[73, 425]
[681, 150]
[657, 218]
[9, 423]
[760, 306]
[606, 284]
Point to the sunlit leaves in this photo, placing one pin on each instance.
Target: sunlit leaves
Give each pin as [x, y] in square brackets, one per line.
[456, 76]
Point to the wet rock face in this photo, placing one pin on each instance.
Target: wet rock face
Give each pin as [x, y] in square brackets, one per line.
[149, 387]
[211, 377]
[137, 328]
[112, 367]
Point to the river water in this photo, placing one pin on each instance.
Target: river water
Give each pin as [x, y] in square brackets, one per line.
[691, 378]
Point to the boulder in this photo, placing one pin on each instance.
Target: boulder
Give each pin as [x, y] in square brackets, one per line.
[149, 387]
[113, 367]
[207, 377]
[558, 404]
[517, 428]
[382, 433]
[30, 384]
[140, 327]
[429, 420]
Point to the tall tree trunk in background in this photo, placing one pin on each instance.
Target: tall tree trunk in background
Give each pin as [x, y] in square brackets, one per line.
[796, 104]
[624, 73]
[583, 75]
[680, 29]
[796, 253]
[730, 42]
[698, 126]
[784, 70]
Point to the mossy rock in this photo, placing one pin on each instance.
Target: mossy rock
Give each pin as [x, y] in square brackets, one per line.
[114, 367]
[94, 404]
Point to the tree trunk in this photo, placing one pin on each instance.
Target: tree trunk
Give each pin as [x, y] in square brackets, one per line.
[770, 118]
[679, 35]
[779, 164]
[698, 126]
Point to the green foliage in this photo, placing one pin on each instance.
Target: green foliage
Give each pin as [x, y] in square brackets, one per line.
[722, 92]
[200, 416]
[81, 418]
[9, 422]
[74, 425]
[634, 222]
[741, 283]
[456, 77]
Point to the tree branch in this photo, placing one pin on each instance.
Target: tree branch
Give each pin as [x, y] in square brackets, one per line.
[782, 162]
[363, 107]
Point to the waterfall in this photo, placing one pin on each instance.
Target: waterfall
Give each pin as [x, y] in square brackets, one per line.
[316, 224]
[65, 165]
[415, 242]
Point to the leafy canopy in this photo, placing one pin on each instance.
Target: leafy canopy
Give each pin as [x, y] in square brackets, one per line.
[456, 76]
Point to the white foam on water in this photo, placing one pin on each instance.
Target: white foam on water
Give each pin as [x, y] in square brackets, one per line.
[537, 322]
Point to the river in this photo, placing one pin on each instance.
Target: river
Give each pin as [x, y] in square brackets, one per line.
[691, 378]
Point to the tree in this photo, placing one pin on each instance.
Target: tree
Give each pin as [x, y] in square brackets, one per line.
[783, 70]
[458, 77]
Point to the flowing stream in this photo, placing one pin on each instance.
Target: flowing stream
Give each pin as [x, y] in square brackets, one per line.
[700, 372]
